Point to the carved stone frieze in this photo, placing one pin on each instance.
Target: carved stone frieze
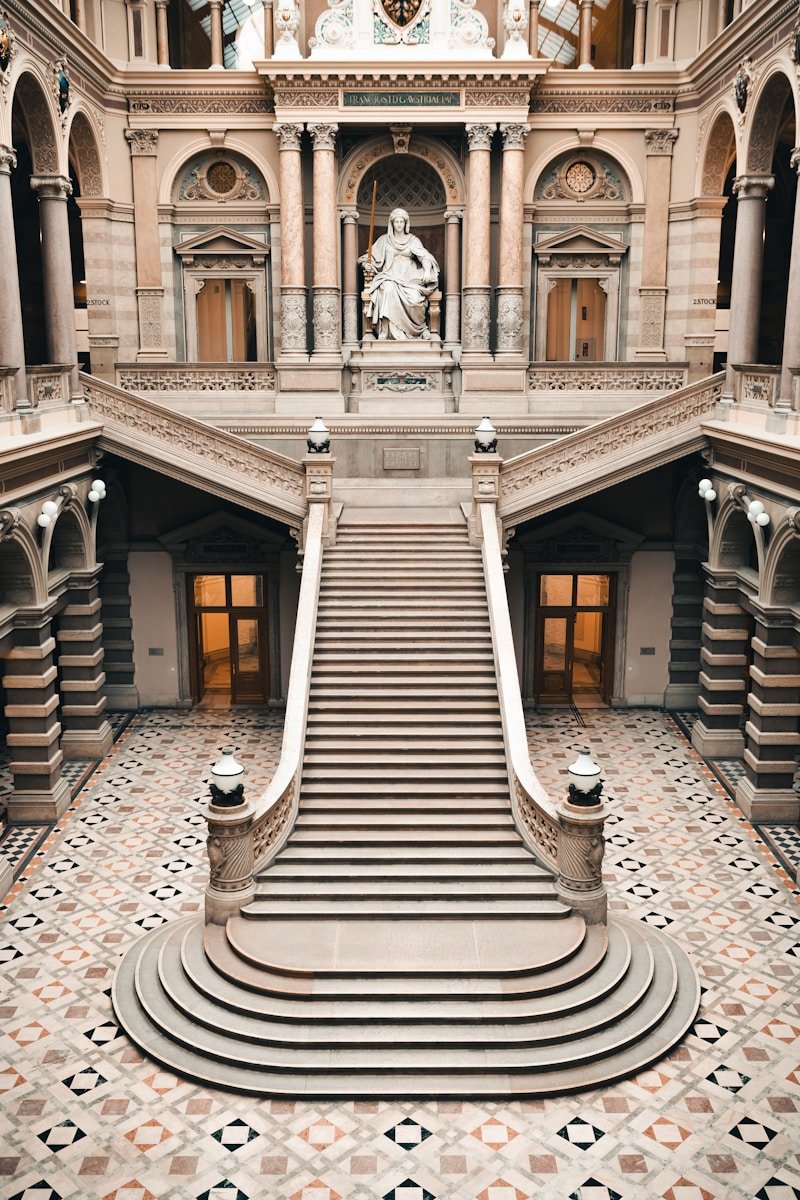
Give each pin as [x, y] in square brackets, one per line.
[181, 378]
[508, 95]
[400, 381]
[293, 321]
[611, 102]
[625, 377]
[205, 103]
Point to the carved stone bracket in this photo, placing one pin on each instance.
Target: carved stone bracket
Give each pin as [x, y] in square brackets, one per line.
[660, 141]
[142, 141]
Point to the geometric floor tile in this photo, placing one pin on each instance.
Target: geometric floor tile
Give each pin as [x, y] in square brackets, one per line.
[753, 1133]
[234, 1134]
[684, 1189]
[407, 1133]
[579, 1133]
[225, 1190]
[732, 1081]
[321, 1134]
[591, 1189]
[407, 1190]
[494, 1134]
[66, 1133]
[84, 1081]
[777, 1189]
[37, 1191]
[667, 1133]
[500, 1190]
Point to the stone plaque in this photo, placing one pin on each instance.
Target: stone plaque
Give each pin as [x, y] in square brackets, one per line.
[405, 459]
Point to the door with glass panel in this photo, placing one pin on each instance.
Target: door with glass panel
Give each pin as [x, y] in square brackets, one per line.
[230, 653]
[573, 640]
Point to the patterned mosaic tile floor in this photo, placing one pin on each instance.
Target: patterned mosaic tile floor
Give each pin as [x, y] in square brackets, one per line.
[83, 1116]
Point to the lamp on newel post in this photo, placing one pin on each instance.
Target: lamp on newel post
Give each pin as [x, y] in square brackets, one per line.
[230, 842]
[581, 844]
[485, 437]
[318, 438]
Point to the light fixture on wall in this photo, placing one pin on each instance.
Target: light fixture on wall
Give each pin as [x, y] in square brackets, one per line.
[49, 510]
[705, 489]
[485, 437]
[319, 437]
[97, 491]
[756, 514]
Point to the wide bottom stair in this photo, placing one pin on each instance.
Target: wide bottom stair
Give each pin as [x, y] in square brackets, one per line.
[405, 942]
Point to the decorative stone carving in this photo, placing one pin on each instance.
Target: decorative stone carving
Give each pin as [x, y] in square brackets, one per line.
[8, 159]
[51, 187]
[399, 381]
[514, 136]
[396, 23]
[293, 320]
[509, 320]
[207, 103]
[142, 141]
[660, 141]
[323, 137]
[743, 81]
[624, 377]
[326, 319]
[288, 135]
[8, 49]
[179, 378]
[479, 136]
[85, 150]
[334, 28]
[62, 90]
[633, 101]
[580, 178]
[468, 27]
[399, 277]
[287, 22]
[10, 519]
[401, 136]
[150, 318]
[515, 23]
[651, 330]
[221, 180]
[476, 320]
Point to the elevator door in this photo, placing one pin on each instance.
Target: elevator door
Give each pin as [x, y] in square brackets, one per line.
[573, 639]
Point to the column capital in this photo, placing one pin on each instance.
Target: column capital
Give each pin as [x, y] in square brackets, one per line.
[640, 3]
[162, 3]
[288, 135]
[8, 159]
[350, 215]
[453, 215]
[514, 136]
[660, 142]
[794, 158]
[51, 187]
[753, 187]
[142, 142]
[323, 136]
[479, 136]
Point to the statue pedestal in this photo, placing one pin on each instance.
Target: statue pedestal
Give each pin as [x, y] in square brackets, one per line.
[413, 378]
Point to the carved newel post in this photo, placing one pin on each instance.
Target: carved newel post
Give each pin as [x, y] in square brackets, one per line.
[581, 845]
[230, 842]
[318, 465]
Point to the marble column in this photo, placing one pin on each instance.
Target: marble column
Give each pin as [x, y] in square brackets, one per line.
[533, 28]
[143, 146]
[791, 329]
[452, 261]
[293, 242]
[86, 731]
[772, 732]
[751, 193]
[585, 35]
[640, 31]
[12, 342]
[162, 33]
[477, 294]
[724, 658]
[660, 144]
[269, 29]
[215, 19]
[59, 299]
[509, 277]
[30, 683]
[325, 242]
[350, 276]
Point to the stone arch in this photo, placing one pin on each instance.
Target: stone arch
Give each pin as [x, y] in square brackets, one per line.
[178, 164]
[611, 183]
[768, 105]
[602, 146]
[21, 578]
[68, 547]
[782, 568]
[32, 107]
[85, 156]
[439, 157]
[733, 545]
[718, 151]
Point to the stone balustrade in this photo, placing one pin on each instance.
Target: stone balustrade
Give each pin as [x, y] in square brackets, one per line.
[756, 386]
[606, 377]
[197, 377]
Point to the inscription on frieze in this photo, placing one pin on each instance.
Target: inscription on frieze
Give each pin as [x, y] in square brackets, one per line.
[396, 459]
[401, 99]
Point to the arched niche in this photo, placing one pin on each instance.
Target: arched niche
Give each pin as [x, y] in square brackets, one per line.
[85, 157]
[370, 153]
[771, 105]
[734, 546]
[601, 152]
[20, 582]
[179, 170]
[68, 549]
[718, 154]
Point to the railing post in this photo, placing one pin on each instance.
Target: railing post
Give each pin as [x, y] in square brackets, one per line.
[318, 466]
[231, 883]
[580, 859]
[485, 464]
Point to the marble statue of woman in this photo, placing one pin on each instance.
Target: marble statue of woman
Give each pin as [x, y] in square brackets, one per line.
[399, 279]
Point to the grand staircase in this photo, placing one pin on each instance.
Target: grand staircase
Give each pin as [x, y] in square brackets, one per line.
[404, 941]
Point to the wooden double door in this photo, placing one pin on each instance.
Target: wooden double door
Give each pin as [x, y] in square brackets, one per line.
[230, 659]
[574, 638]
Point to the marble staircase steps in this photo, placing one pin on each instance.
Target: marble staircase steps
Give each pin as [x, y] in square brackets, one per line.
[404, 941]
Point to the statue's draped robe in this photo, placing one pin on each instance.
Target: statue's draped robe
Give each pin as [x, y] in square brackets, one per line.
[405, 275]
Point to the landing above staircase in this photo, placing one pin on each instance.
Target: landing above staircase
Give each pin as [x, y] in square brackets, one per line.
[405, 941]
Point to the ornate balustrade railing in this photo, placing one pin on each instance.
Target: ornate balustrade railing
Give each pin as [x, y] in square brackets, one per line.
[197, 377]
[199, 454]
[606, 377]
[565, 837]
[607, 452]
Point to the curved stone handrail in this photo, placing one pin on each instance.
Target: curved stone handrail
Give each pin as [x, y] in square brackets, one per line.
[566, 839]
[276, 809]
[632, 442]
[197, 453]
